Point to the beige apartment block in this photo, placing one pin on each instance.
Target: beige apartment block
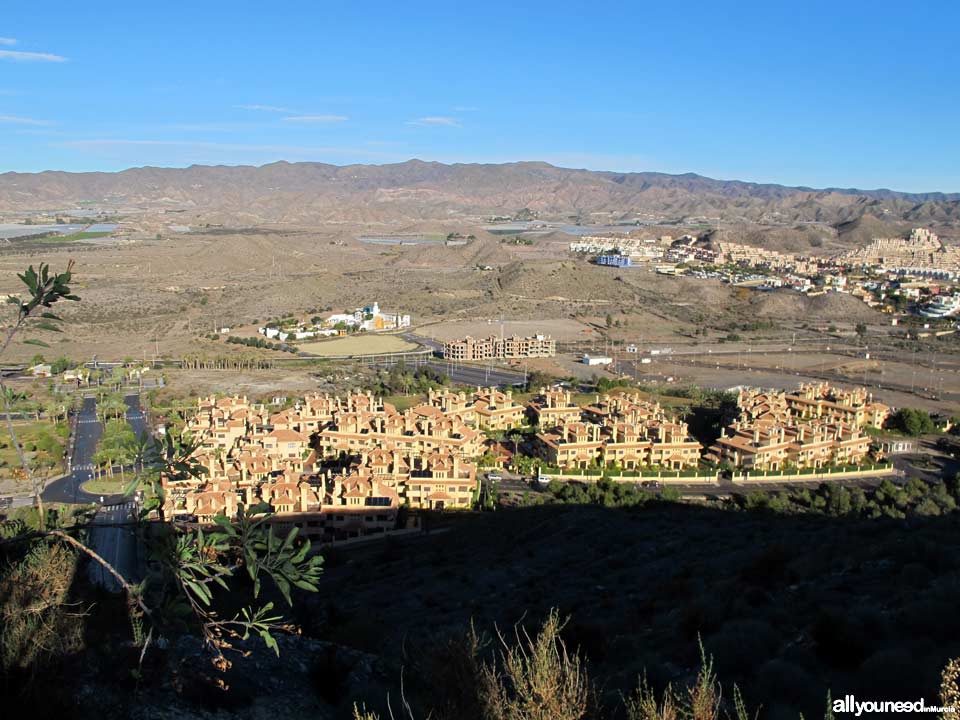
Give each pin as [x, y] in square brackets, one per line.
[615, 429]
[813, 401]
[803, 443]
[499, 348]
[571, 445]
[553, 406]
[419, 457]
[495, 410]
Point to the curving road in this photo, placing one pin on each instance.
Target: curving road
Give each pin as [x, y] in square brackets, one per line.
[116, 545]
[87, 432]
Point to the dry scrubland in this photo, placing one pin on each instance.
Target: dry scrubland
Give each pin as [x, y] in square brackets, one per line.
[164, 296]
[558, 328]
[149, 296]
[790, 607]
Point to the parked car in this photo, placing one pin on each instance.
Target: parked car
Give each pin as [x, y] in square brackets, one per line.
[653, 484]
[494, 476]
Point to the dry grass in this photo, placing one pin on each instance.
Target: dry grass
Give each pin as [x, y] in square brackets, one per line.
[366, 344]
[38, 623]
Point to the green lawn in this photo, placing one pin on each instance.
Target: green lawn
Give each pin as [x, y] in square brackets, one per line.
[37, 439]
[404, 402]
[73, 237]
[104, 486]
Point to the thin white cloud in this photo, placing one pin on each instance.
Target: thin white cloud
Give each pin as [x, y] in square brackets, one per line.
[19, 120]
[46, 131]
[7, 41]
[103, 143]
[316, 118]
[264, 108]
[207, 126]
[20, 56]
[435, 121]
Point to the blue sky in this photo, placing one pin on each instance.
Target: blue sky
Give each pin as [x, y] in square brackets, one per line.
[849, 94]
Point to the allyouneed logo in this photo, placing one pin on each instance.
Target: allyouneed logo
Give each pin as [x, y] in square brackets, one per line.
[849, 704]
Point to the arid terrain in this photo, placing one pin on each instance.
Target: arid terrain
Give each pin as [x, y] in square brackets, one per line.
[202, 249]
[159, 297]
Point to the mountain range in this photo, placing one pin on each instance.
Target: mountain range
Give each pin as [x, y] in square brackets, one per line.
[307, 192]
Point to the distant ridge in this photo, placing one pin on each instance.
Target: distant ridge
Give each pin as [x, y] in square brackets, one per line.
[310, 192]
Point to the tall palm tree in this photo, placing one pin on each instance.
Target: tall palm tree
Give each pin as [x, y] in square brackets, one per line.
[139, 449]
[53, 409]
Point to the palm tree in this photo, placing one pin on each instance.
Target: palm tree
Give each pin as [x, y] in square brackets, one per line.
[139, 449]
[53, 409]
[113, 406]
[102, 458]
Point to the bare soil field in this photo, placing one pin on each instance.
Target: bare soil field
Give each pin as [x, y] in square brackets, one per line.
[366, 344]
[252, 383]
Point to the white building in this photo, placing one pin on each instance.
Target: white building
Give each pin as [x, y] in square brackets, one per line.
[596, 360]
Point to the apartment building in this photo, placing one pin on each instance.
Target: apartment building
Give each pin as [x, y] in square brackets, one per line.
[615, 430]
[335, 466]
[552, 406]
[499, 348]
[813, 426]
[495, 410]
[923, 253]
[803, 445]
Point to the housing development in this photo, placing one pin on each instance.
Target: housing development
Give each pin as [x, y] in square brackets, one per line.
[614, 431]
[814, 426]
[344, 466]
[919, 268]
[488, 361]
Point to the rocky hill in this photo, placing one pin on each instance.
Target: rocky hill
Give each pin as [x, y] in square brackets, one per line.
[414, 190]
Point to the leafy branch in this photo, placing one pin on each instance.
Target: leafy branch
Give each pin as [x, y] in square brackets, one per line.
[45, 289]
[193, 563]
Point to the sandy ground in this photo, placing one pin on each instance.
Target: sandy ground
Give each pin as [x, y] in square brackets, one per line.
[369, 344]
[253, 383]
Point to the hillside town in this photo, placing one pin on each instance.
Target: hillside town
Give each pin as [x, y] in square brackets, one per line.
[887, 273]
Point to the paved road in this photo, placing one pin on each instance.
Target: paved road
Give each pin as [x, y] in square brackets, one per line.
[116, 545]
[87, 435]
[135, 416]
[88, 430]
[429, 342]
